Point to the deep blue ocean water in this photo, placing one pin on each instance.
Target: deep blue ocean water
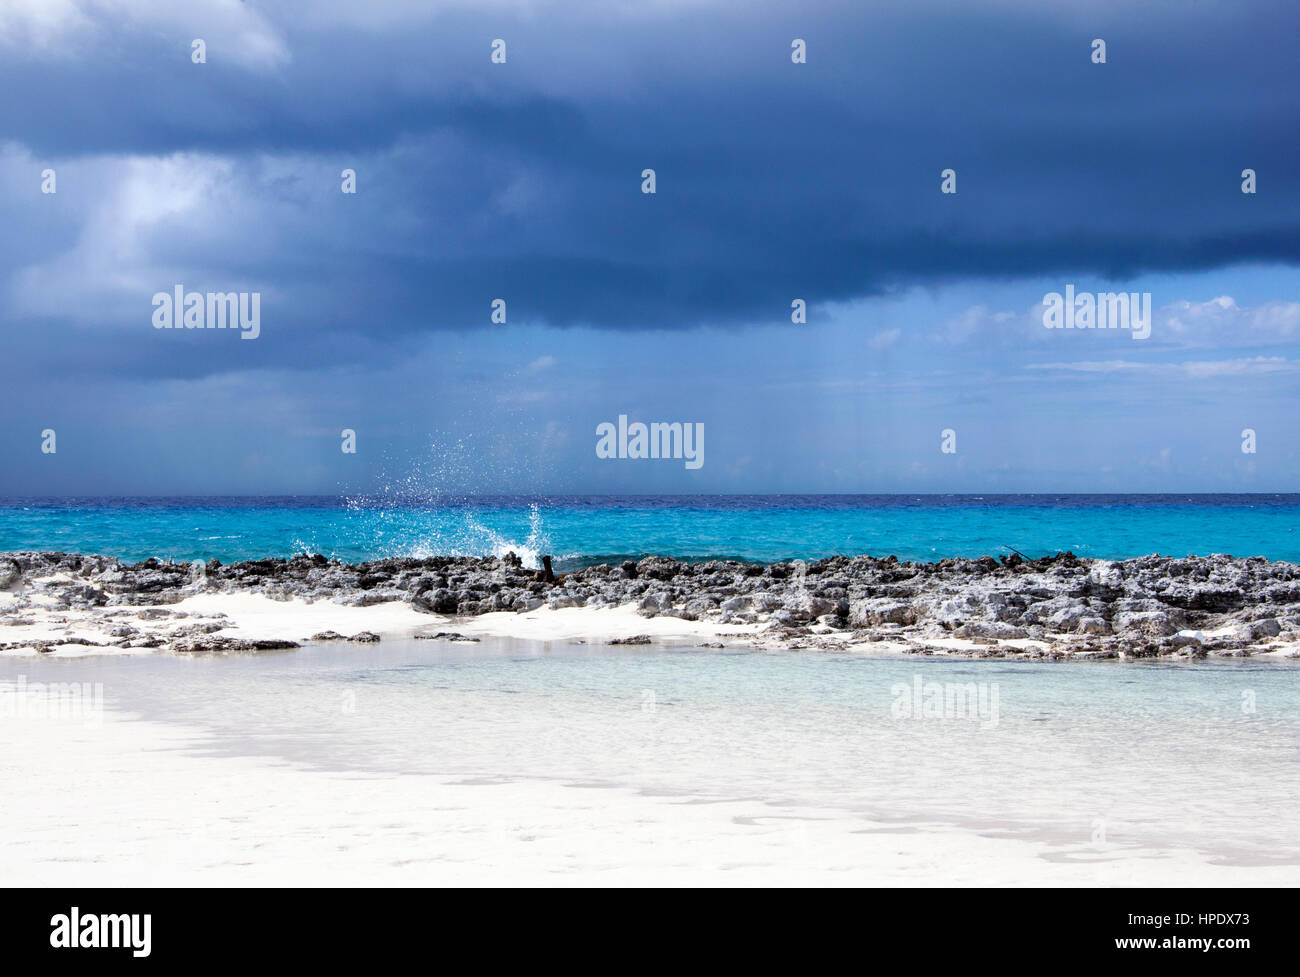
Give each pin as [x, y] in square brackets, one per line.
[580, 530]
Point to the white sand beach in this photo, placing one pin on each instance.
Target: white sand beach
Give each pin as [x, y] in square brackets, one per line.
[125, 803]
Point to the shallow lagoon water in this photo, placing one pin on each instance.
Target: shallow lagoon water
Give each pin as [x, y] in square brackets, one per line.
[1081, 756]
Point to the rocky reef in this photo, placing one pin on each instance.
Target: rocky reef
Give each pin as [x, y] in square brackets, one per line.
[1055, 607]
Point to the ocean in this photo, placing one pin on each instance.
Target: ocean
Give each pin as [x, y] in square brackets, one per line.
[584, 530]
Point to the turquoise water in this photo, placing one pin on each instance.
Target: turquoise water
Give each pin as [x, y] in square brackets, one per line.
[584, 530]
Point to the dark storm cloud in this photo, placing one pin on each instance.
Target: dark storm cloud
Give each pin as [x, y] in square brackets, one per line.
[775, 180]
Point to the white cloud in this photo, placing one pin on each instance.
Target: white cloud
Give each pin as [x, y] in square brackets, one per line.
[980, 320]
[885, 338]
[1191, 369]
[125, 247]
[1239, 367]
[235, 32]
[1221, 322]
[1217, 323]
[39, 23]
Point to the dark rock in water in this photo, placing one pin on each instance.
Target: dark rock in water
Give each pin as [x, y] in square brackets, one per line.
[639, 639]
[326, 636]
[658, 568]
[365, 637]
[215, 643]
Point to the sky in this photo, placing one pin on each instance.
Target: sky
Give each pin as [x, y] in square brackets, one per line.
[522, 180]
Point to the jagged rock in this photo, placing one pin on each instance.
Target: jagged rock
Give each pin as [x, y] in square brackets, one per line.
[658, 568]
[1065, 619]
[1153, 624]
[11, 574]
[989, 630]
[1107, 575]
[817, 606]
[440, 601]
[1129, 607]
[881, 610]
[1257, 630]
[215, 643]
[1092, 625]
